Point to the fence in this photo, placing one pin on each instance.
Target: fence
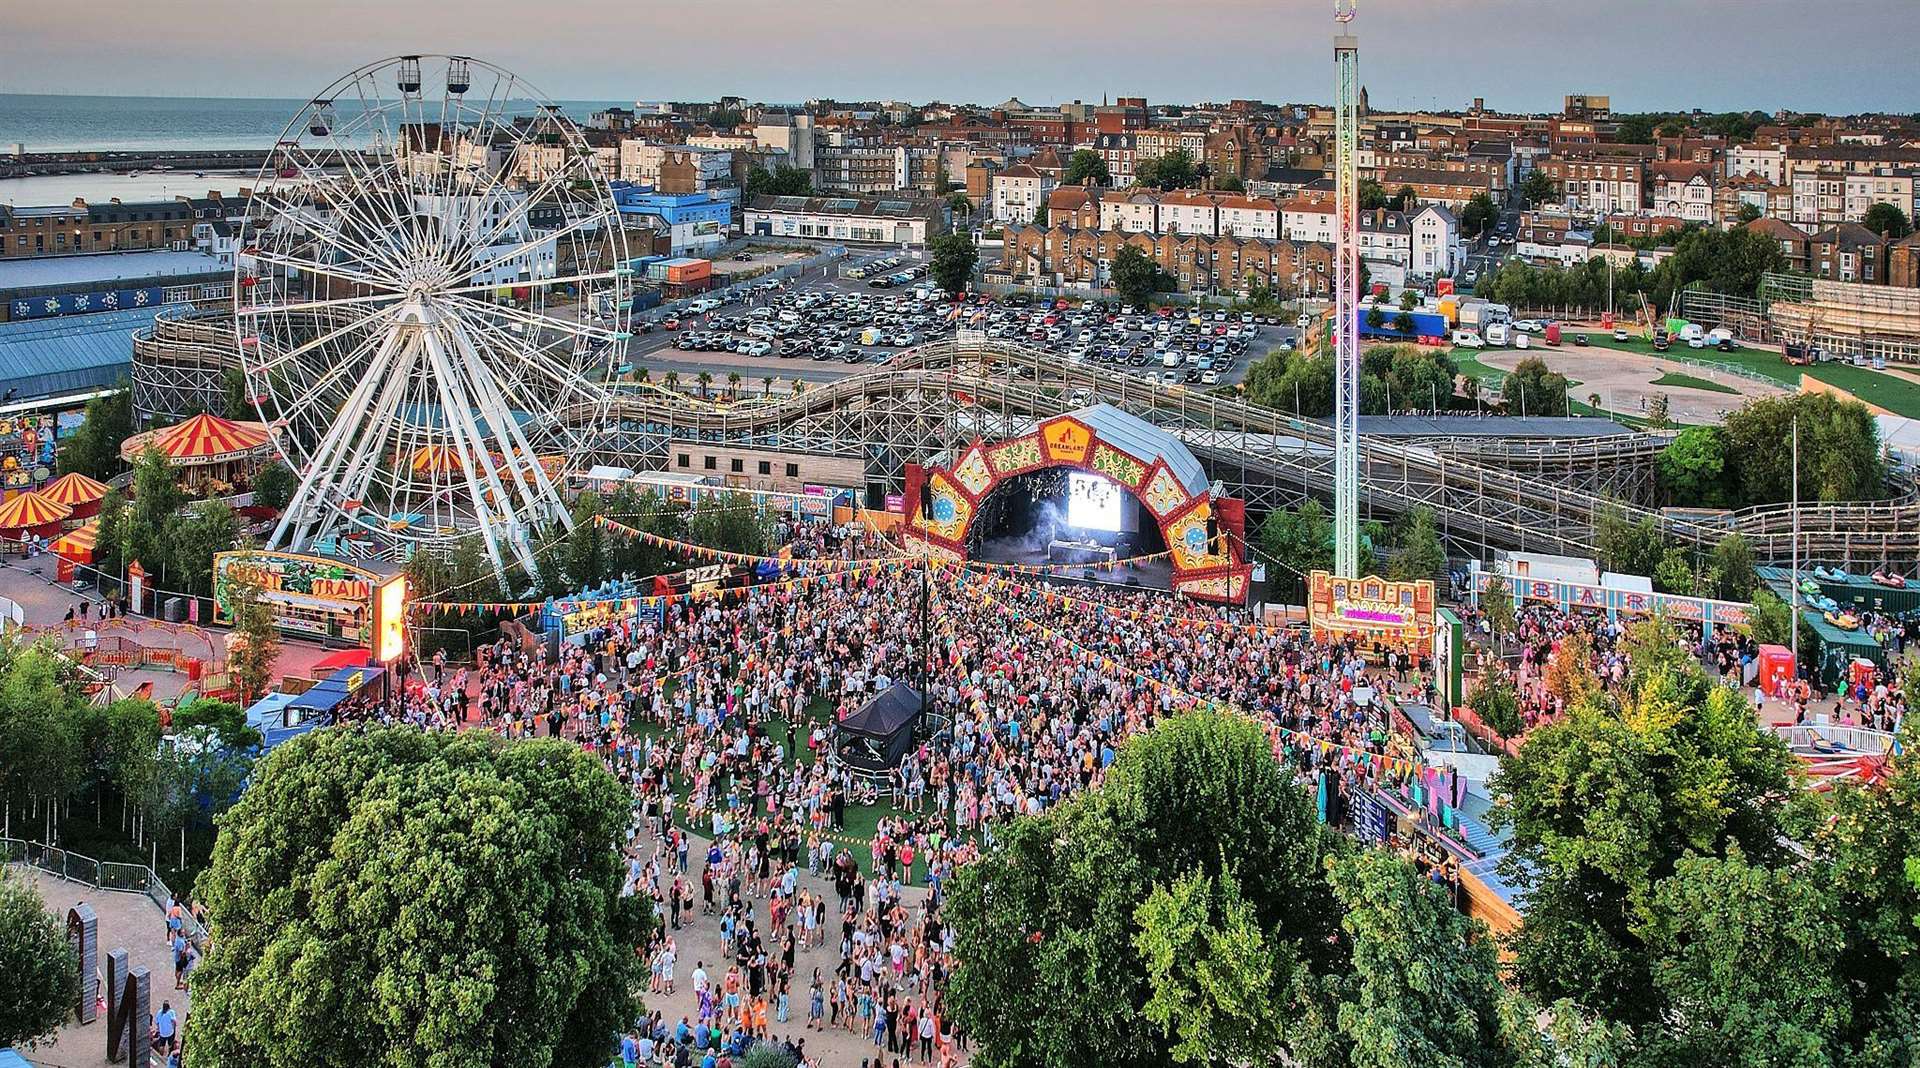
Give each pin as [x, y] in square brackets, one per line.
[99, 874]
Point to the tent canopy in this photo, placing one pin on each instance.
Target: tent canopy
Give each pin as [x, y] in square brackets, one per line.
[78, 545]
[203, 439]
[29, 511]
[73, 489]
[875, 738]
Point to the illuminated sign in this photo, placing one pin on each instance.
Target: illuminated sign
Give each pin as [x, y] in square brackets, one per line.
[389, 640]
[1402, 612]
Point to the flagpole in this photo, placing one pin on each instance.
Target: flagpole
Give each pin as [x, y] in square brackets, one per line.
[1793, 625]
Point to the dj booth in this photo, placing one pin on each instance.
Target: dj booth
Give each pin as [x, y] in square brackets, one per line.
[1066, 551]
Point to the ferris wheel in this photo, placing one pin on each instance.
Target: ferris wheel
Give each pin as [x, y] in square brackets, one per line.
[431, 273]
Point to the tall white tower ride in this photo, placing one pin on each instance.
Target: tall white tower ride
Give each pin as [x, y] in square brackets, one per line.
[1346, 286]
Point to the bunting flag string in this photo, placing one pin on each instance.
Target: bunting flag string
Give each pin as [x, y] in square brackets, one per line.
[702, 552]
[1103, 610]
[1051, 569]
[570, 604]
[1390, 764]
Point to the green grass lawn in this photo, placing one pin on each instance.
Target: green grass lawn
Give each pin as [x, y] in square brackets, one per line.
[1681, 381]
[1896, 393]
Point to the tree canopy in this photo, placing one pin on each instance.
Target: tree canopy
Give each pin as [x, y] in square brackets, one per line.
[39, 974]
[1086, 167]
[954, 257]
[1137, 277]
[391, 897]
[1175, 170]
[93, 449]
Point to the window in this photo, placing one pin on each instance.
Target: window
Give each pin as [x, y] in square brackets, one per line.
[766, 467]
[683, 460]
[736, 465]
[793, 470]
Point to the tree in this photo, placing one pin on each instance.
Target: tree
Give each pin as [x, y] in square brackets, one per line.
[1732, 570]
[252, 657]
[1887, 220]
[274, 486]
[1299, 540]
[93, 449]
[1772, 618]
[1375, 317]
[1406, 199]
[1478, 214]
[1372, 196]
[1045, 922]
[1137, 277]
[725, 118]
[1409, 300]
[766, 385]
[190, 541]
[734, 379]
[1569, 674]
[1496, 701]
[1659, 411]
[1604, 803]
[1086, 167]
[1745, 960]
[1497, 602]
[732, 524]
[953, 259]
[705, 379]
[1674, 573]
[156, 497]
[1214, 978]
[1693, 468]
[1040, 215]
[781, 181]
[109, 539]
[1175, 170]
[1748, 213]
[960, 206]
[1426, 987]
[1532, 389]
[39, 973]
[1626, 546]
[227, 720]
[1538, 187]
[396, 897]
[1419, 553]
[1403, 324]
[1840, 458]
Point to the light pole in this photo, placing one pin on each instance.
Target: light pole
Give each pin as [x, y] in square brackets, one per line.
[1793, 622]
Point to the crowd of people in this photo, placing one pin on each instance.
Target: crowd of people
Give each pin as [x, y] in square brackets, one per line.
[717, 714]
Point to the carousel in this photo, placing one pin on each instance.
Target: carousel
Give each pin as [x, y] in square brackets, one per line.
[212, 454]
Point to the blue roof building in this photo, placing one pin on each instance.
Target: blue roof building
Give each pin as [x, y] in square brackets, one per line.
[694, 220]
[68, 357]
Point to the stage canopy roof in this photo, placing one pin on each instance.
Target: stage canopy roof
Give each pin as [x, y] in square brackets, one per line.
[1146, 442]
[74, 489]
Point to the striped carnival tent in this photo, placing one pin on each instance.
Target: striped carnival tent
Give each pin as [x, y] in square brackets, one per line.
[76, 491]
[206, 447]
[75, 547]
[31, 514]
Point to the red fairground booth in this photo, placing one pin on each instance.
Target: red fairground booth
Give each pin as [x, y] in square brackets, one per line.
[1204, 535]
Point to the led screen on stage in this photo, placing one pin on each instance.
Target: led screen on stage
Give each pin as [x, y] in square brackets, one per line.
[1093, 503]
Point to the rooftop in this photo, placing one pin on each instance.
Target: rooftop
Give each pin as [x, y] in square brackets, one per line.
[49, 357]
[80, 271]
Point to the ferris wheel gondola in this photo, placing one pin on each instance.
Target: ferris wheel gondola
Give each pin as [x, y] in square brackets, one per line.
[420, 276]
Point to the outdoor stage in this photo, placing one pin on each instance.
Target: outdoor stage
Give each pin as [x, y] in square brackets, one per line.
[1154, 574]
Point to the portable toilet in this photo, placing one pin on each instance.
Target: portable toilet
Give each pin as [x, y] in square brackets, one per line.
[1775, 669]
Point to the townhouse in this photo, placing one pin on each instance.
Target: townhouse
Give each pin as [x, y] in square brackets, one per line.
[1019, 192]
[1597, 186]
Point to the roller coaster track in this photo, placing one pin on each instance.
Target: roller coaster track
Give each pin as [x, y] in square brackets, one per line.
[924, 404]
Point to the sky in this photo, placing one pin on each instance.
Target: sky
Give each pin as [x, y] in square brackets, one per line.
[1521, 55]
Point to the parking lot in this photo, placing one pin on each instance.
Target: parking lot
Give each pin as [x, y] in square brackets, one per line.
[840, 326]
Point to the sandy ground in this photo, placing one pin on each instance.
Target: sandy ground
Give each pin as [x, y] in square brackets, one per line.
[1624, 380]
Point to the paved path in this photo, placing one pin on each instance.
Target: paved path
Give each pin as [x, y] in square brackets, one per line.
[127, 921]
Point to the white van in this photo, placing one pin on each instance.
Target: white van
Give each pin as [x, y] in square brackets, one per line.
[1467, 339]
[1170, 358]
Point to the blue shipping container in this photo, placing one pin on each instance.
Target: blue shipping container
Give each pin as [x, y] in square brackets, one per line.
[1425, 324]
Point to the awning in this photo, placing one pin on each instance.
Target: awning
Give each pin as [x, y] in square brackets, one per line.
[78, 545]
[203, 439]
[31, 511]
[74, 489]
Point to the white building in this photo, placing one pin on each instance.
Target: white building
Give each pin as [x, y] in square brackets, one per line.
[1437, 250]
[1017, 194]
[1248, 217]
[1690, 200]
[865, 220]
[1129, 212]
[1187, 213]
[1308, 220]
[1765, 161]
[640, 163]
[1385, 237]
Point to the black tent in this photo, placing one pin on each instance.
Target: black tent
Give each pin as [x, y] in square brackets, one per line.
[874, 739]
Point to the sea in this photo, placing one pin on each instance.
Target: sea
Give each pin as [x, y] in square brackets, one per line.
[58, 123]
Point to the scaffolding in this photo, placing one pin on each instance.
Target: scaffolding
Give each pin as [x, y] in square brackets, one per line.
[1844, 320]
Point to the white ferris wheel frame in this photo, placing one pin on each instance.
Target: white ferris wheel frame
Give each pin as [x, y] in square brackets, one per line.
[413, 404]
